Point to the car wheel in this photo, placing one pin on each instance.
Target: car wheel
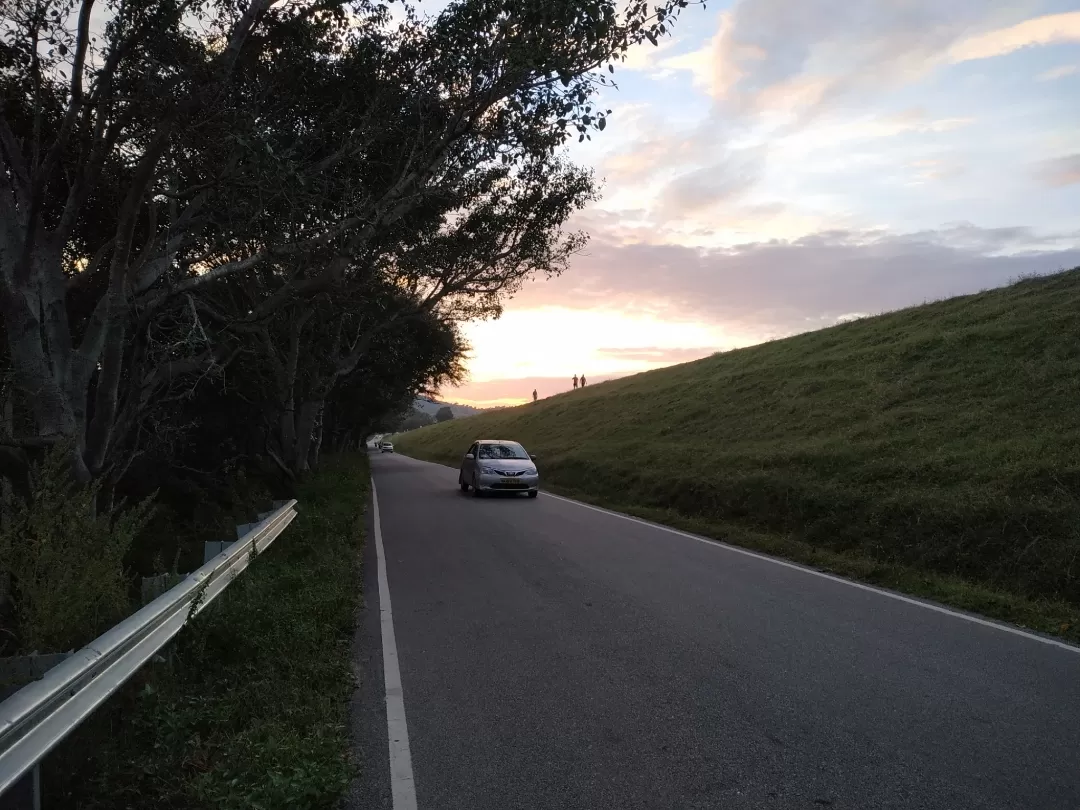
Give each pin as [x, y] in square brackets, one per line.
[476, 492]
[461, 483]
[533, 493]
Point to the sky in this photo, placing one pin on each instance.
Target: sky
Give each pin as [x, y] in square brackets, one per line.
[776, 167]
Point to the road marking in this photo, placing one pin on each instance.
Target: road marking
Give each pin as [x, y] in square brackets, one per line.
[402, 784]
[1053, 642]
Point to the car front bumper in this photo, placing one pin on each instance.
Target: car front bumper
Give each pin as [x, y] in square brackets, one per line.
[487, 482]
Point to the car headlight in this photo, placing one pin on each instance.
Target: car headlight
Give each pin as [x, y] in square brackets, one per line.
[531, 471]
[490, 471]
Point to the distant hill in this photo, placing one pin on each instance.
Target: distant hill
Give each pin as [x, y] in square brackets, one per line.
[934, 449]
[431, 407]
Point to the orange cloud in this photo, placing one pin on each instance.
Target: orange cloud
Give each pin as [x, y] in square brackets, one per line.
[1047, 30]
[1060, 172]
[1057, 73]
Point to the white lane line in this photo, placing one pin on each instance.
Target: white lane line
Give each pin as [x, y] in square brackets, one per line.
[1053, 642]
[402, 784]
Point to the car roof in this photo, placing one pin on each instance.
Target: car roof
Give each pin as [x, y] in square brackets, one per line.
[496, 441]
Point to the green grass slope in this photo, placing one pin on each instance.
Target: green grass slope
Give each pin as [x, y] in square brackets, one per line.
[936, 449]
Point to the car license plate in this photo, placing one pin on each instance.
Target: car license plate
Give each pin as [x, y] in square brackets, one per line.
[511, 480]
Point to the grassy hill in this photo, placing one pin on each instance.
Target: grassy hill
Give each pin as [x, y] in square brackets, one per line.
[935, 449]
[431, 407]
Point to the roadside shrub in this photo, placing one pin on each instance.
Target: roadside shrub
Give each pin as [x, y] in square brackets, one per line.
[65, 559]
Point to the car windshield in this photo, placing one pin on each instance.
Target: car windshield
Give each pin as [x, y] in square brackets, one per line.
[503, 451]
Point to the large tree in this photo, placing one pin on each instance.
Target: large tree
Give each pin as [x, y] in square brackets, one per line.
[195, 141]
[455, 258]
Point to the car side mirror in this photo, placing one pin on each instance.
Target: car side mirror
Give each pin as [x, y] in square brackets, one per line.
[532, 456]
[469, 456]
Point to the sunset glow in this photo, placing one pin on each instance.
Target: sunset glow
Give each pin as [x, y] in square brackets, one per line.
[555, 343]
[769, 170]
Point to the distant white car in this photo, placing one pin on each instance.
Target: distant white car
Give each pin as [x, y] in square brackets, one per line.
[386, 447]
[493, 465]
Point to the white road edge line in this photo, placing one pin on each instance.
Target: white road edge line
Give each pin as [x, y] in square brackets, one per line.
[1016, 631]
[402, 784]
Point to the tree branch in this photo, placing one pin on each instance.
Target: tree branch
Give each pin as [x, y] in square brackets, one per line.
[82, 278]
[13, 157]
[30, 442]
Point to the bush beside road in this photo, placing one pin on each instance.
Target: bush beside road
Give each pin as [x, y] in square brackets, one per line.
[250, 710]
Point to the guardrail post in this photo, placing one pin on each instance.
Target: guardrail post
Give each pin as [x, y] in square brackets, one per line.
[244, 528]
[150, 588]
[273, 508]
[211, 548]
[26, 793]
[15, 672]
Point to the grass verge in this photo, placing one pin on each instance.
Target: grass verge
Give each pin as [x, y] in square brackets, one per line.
[251, 709]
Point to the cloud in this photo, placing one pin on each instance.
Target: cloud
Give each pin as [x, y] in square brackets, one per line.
[803, 81]
[933, 169]
[698, 63]
[703, 169]
[1059, 72]
[848, 317]
[703, 64]
[807, 142]
[646, 56]
[1060, 172]
[778, 287]
[918, 121]
[1047, 30]
[651, 145]
[834, 129]
[657, 355]
[699, 190]
[650, 155]
[796, 58]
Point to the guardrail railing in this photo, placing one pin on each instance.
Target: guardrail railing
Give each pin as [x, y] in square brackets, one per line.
[42, 713]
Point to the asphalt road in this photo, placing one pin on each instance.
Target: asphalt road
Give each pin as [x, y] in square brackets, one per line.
[556, 656]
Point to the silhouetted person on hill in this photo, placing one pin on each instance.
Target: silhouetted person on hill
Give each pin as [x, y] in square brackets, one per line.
[582, 380]
[534, 395]
[575, 382]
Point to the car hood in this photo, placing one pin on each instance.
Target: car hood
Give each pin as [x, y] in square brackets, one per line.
[506, 463]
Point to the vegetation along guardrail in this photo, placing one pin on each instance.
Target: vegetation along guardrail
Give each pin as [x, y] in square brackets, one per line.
[42, 713]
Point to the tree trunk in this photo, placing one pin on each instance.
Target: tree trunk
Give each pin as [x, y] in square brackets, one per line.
[316, 446]
[52, 414]
[287, 438]
[344, 440]
[48, 369]
[306, 423]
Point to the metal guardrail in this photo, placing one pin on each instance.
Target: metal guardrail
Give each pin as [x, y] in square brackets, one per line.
[42, 713]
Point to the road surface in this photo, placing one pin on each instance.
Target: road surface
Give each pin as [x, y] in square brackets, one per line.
[552, 655]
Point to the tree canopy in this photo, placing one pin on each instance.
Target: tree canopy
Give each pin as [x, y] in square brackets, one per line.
[267, 219]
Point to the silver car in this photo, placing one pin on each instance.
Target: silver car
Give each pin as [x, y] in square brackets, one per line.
[493, 465]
